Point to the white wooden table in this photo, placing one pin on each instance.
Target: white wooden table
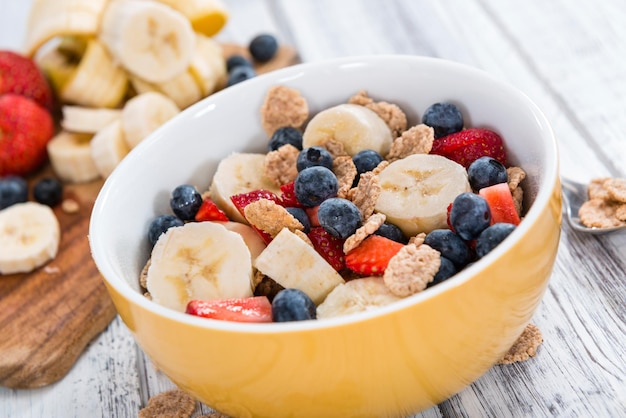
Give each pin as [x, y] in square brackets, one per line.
[569, 56]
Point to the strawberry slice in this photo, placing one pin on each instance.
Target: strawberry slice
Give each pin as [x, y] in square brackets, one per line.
[500, 203]
[209, 211]
[252, 309]
[371, 257]
[288, 196]
[312, 214]
[244, 199]
[329, 247]
[470, 144]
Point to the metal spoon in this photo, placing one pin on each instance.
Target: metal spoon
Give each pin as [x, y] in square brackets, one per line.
[574, 195]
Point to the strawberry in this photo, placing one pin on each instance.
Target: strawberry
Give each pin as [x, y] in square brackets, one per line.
[244, 199]
[209, 211]
[25, 129]
[288, 196]
[312, 214]
[329, 247]
[500, 203]
[371, 257]
[470, 144]
[21, 75]
[252, 309]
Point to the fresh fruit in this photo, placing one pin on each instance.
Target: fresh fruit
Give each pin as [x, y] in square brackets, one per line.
[445, 118]
[25, 129]
[293, 263]
[143, 114]
[312, 214]
[491, 237]
[450, 245]
[340, 217]
[446, 270]
[356, 127]
[209, 211]
[315, 184]
[237, 60]
[207, 17]
[469, 215]
[239, 74]
[263, 47]
[185, 202]
[302, 217]
[70, 157]
[253, 241]
[13, 189]
[288, 196]
[29, 237]
[391, 231]
[199, 260]
[328, 246]
[470, 144]
[244, 199]
[417, 190]
[501, 204]
[250, 309]
[371, 257]
[285, 135]
[292, 305]
[486, 171]
[207, 66]
[314, 156]
[160, 225]
[365, 161]
[108, 148]
[21, 75]
[48, 191]
[183, 90]
[87, 120]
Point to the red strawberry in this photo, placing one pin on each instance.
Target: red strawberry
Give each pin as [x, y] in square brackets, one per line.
[20, 75]
[244, 199]
[252, 309]
[312, 214]
[372, 256]
[210, 212]
[448, 210]
[500, 203]
[470, 144]
[25, 129]
[288, 196]
[329, 247]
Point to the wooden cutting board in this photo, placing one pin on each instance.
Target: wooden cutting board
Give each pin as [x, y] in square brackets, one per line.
[47, 317]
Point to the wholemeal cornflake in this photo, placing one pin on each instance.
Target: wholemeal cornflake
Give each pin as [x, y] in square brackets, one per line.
[620, 212]
[280, 165]
[616, 188]
[266, 286]
[214, 414]
[270, 217]
[345, 171]
[370, 226]
[283, 106]
[525, 346]
[304, 237]
[143, 276]
[174, 403]
[394, 117]
[418, 239]
[416, 140]
[596, 190]
[380, 167]
[518, 198]
[365, 194]
[599, 213]
[334, 147]
[515, 175]
[411, 269]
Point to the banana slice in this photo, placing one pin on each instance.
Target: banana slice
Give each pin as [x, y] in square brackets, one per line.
[149, 39]
[417, 190]
[357, 295]
[200, 260]
[356, 127]
[183, 89]
[207, 17]
[108, 148]
[144, 113]
[29, 237]
[239, 173]
[87, 120]
[253, 240]
[293, 263]
[208, 65]
[70, 157]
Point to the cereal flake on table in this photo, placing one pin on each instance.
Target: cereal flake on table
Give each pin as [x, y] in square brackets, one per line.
[370, 226]
[365, 194]
[394, 117]
[525, 346]
[411, 269]
[270, 217]
[345, 171]
[280, 165]
[174, 403]
[283, 106]
[416, 140]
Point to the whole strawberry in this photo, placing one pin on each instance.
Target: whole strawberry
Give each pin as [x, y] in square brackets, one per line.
[470, 144]
[25, 129]
[21, 75]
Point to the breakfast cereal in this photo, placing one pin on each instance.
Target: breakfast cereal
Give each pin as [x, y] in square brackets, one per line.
[525, 346]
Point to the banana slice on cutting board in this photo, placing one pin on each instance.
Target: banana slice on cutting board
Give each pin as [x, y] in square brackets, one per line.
[356, 127]
[70, 157]
[206, 16]
[108, 148]
[417, 190]
[29, 237]
[144, 113]
[357, 295]
[200, 260]
[87, 120]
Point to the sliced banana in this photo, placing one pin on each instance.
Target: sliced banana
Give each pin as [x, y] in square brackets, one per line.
[357, 295]
[87, 120]
[149, 39]
[208, 65]
[356, 127]
[200, 260]
[70, 157]
[207, 17]
[417, 190]
[239, 173]
[29, 237]
[293, 263]
[253, 240]
[108, 148]
[183, 89]
[144, 113]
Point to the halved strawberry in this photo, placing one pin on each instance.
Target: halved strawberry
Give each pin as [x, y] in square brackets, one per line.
[252, 309]
[500, 203]
[244, 199]
[210, 212]
[329, 247]
[312, 214]
[470, 144]
[371, 257]
[288, 196]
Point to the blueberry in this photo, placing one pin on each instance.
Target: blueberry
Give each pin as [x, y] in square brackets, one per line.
[13, 189]
[185, 202]
[470, 215]
[285, 135]
[365, 161]
[339, 217]
[491, 237]
[314, 156]
[160, 224]
[446, 270]
[393, 232]
[237, 60]
[450, 245]
[485, 172]
[48, 191]
[292, 305]
[301, 216]
[263, 47]
[445, 118]
[313, 185]
[239, 74]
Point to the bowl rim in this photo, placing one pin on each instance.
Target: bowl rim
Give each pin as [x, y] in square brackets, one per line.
[545, 190]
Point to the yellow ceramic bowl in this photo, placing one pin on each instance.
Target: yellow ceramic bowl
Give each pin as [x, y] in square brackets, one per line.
[390, 362]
